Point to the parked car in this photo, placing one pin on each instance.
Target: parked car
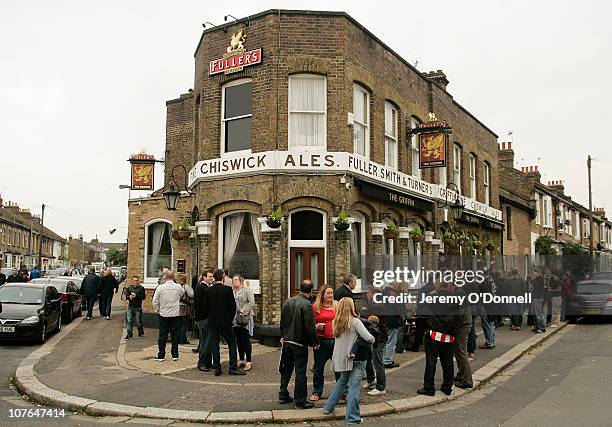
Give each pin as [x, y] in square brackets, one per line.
[69, 294]
[591, 298]
[599, 275]
[29, 311]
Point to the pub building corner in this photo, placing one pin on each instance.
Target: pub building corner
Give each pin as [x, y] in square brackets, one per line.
[316, 121]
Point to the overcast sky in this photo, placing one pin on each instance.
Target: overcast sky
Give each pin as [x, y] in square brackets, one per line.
[83, 85]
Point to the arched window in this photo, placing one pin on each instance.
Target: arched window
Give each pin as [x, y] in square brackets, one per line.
[158, 249]
[414, 146]
[390, 135]
[307, 112]
[239, 244]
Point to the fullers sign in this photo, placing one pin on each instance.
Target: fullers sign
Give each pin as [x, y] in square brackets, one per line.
[236, 57]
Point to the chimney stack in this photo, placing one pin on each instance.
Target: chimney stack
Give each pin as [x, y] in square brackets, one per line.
[532, 172]
[600, 212]
[505, 155]
[438, 77]
[557, 185]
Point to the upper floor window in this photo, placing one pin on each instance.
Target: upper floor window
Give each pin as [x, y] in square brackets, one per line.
[236, 116]
[472, 176]
[486, 180]
[414, 145]
[307, 111]
[457, 166]
[577, 225]
[537, 208]
[547, 211]
[361, 121]
[586, 228]
[390, 135]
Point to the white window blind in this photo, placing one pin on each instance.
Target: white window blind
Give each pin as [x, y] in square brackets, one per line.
[307, 112]
[390, 135]
[361, 121]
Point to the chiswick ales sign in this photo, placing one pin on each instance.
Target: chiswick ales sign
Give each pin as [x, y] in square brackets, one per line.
[236, 57]
[337, 163]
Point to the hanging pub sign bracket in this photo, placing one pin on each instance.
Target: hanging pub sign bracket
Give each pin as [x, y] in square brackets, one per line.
[433, 141]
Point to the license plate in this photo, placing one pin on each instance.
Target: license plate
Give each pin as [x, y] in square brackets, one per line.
[7, 329]
[592, 311]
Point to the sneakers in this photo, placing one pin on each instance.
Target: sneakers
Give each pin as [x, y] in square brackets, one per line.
[376, 392]
[284, 400]
[369, 385]
[128, 337]
[236, 372]
[391, 365]
[88, 318]
[486, 346]
[159, 359]
[540, 331]
[175, 359]
[554, 326]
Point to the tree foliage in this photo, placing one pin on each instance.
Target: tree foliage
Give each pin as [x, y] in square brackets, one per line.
[116, 256]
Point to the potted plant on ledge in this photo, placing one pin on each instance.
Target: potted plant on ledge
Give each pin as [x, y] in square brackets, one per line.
[391, 230]
[476, 242]
[275, 218]
[417, 234]
[181, 231]
[342, 221]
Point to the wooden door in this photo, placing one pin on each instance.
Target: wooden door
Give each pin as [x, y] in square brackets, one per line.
[306, 263]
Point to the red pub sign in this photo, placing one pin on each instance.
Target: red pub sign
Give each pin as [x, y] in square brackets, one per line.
[236, 57]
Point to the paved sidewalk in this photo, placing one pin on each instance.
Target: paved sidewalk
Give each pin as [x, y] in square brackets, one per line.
[93, 362]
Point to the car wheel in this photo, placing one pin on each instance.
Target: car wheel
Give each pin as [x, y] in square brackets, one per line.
[43, 334]
[59, 324]
[80, 312]
[70, 315]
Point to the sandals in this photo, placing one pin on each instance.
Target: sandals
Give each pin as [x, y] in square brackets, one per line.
[315, 398]
[247, 366]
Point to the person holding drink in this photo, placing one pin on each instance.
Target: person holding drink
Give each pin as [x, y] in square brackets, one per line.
[325, 313]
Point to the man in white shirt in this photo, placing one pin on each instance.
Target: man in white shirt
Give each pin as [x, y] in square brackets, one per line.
[166, 301]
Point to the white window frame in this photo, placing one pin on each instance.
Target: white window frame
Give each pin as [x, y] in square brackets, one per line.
[415, 150]
[389, 137]
[289, 112]
[152, 281]
[577, 227]
[472, 162]
[253, 284]
[587, 228]
[360, 219]
[547, 210]
[538, 217]
[457, 166]
[358, 89]
[223, 119]
[486, 179]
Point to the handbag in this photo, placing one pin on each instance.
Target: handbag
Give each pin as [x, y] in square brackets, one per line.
[242, 319]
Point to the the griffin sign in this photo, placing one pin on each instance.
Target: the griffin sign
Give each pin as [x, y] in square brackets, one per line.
[432, 149]
[142, 171]
[236, 57]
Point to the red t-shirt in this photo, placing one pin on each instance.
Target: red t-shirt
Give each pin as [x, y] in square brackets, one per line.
[326, 316]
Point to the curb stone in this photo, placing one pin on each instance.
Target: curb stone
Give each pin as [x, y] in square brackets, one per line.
[27, 382]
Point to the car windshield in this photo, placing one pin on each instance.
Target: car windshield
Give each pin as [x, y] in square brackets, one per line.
[21, 295]
[592, 288]
[60, 286]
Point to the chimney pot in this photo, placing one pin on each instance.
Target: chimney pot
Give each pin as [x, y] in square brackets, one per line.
[509, 145]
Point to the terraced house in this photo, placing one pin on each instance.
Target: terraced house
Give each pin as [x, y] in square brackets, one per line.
[308, 112]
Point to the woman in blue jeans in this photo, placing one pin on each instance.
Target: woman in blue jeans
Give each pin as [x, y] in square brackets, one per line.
[324, 312]
[347, 328]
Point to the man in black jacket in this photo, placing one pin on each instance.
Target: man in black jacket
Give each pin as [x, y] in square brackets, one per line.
[89, 290]
[297, 334]
[199, 295]
[439, 342]
[421, 320]
[346, 290]
[135, 296]
[220, 310]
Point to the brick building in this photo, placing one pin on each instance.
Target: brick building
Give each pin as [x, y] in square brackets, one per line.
[532, 209]
[20, 233]
[309, 112]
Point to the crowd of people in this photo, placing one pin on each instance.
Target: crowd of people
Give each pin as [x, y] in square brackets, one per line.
[20, 275]
[366, 340]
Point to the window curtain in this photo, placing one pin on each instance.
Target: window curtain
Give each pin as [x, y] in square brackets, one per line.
[231, 234]
[307, 111]
[314, 269]
[156, 234]
[356, 250]
[256, 229]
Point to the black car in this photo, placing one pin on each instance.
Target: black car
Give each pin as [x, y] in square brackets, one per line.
[71, 300]
[29, 311]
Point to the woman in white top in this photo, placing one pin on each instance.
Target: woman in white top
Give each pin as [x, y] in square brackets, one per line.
[347, 328]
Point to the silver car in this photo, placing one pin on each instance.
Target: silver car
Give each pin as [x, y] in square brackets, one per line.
[592, 297]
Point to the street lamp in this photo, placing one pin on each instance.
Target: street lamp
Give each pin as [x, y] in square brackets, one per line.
[172, 194]
[457, 206]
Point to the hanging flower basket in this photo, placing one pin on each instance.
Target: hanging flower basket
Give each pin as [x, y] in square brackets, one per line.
[477, 245]
[341, 226]
[273, 222]
[490, 247]
[181, 234]
[417, 237]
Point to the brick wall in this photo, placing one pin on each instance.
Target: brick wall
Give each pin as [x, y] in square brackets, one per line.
[179, 137]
